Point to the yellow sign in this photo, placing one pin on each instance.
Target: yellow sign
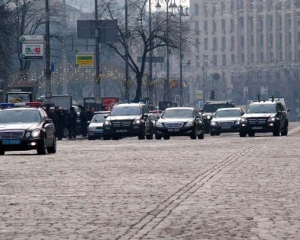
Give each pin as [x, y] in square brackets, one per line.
[85, 60]
[199, 94]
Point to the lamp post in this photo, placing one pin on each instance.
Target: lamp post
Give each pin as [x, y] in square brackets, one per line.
[166, 82]
[48, 93]
[149, 88]
[126, 53]
[97, 60]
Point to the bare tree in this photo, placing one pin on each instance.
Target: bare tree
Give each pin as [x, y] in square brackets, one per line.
[140, 40]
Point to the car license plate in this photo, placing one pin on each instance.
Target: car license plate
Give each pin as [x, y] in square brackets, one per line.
[257, 128]
[226, 127]
[99, 130]
[121, 130]
[11, 141]
[173, 130]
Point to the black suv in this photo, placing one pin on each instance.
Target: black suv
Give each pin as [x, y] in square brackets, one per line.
[210, 107]
[264, 116]
[127, 120]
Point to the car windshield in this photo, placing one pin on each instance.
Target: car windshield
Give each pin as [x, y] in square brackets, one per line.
[19, 116]
[215, 107]
[227, 113]
[261, 108]
[126, 110]
[178, 113]
[98, 118]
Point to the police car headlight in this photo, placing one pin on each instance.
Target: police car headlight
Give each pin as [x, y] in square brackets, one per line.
[204, 116]
[137, 121]
[189, 124]
[213, 123]
[271, 119]
[35, 133]
[208, 117]
[107, 122]
[243, 120]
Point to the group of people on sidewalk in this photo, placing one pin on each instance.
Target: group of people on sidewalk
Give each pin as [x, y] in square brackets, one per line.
[67, 119]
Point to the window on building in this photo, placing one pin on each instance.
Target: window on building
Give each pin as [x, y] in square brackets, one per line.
[232, 58]
[215, 60]
[243, 58]
[232, 6]
[205, 43]
[241, 22]
[231, 25]
[242, 41]
[262, 56]
[297, 3]
[252, 57]
[278, 5]
[224, 59]
[223, 7]
[269, 5]
[288, 20]
[197, 61]
[290, 38]
[270, 22]
[240, 5]
[197, 28]
[280, 55]
[197, 45]
[232, 43]
[205, 27]
[215, 43]
[214, 25]
[279, 22]
[214, 10]
[196, 9]
[223, 25]
[271, 56]
[261, 40]
[205, 9]
[271, 40]
[223, 43]
[252, 40]
[250, 24]
[289, 55]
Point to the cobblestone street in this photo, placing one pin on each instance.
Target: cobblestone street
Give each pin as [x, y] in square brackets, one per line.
[223, 187]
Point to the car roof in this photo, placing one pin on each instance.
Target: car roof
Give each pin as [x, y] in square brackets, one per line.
[228, 109]
[180, 108]
[264, 102]
[101, 112]
[129, 104]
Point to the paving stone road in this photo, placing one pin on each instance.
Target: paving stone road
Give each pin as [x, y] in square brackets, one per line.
[222, 187]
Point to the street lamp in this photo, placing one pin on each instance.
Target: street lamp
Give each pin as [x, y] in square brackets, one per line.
[205, 62]
[166, 82]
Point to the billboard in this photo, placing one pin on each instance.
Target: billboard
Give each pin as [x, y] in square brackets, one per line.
[18, 97]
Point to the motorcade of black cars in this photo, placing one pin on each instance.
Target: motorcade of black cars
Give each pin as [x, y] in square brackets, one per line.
[264, 116]
[226, 120]
[179, 121]
[26, 128]
[210, 107]
[128, 120]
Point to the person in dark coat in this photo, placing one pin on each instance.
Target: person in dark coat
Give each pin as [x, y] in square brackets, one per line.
[83, 121]
[59, 123]
[90, 113]
[71, 120]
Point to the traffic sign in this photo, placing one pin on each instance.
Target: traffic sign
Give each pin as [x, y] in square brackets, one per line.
[32, 38]
[85, 60]
[32, 51]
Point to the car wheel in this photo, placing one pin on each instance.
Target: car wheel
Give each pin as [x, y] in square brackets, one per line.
[149, 137]
[42, 148]
[115, 137]
[157, 137]
[2, 152]
[201, 136]
[243, 134]
[252, 134]
[91, 138]
[276, 132]
[212, 133]
[285, 131]
[106, 137]
[52, 149]
[166, 137]
[141, 136]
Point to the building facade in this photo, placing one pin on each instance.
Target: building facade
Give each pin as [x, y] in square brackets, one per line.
[243, 48]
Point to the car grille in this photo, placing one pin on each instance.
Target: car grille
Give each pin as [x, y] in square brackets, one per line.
[257, 121]
[173, 125]
[12, 134]
[121, 124]
[225, 124]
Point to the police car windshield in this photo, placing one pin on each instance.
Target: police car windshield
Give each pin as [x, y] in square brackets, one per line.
[126, 110]
[178, 113]
[215, 107]
[261, 108]
[19, 116]
[98, 118]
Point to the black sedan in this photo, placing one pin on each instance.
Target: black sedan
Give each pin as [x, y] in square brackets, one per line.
[226, 120]
[26, 129]
[179, 121]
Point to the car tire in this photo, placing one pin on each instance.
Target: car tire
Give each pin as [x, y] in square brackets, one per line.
[251, 134]
[166, 137]
[285, 131]
[2, 152]
[141, 136]
[212, 133]
[276, 133]
[243, 134]
[115, 137]
[157, 137]
[149, 136]
[91, 138]
[52, 149]
[106, 137]
[201, 136]
[42, 148]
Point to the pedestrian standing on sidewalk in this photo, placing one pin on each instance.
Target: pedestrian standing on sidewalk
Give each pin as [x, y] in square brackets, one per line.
[83, 121]
[72, 122]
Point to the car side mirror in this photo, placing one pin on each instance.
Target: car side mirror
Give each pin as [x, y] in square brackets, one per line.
[105, 116]
[48, 120]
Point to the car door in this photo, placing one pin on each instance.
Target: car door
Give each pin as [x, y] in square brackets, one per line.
[49, 129]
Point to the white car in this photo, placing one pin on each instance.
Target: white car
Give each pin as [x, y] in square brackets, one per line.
[95, 127]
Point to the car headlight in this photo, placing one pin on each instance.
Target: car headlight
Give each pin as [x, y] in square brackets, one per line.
[159, 124]
[204, 116]
[237, 122]
[107, 122]
[35, 133]
[271, 119]
[189, 124]
[243, 120]
[208, 117]
[213, 123]
[137, 121]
